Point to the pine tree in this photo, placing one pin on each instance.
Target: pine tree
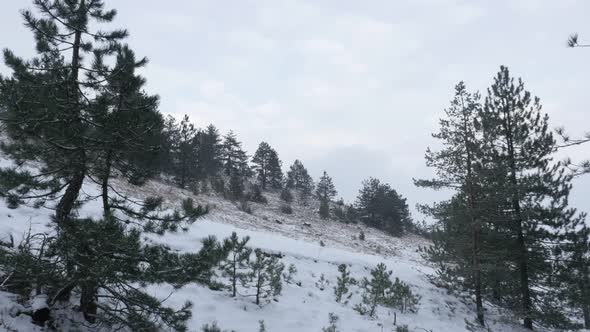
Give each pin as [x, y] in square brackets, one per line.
[299, 179]
[265, 276]
[67, 115]
[234, 158]
[236, 186]
[534, 188]
[184, 152]
[342, 282]
[325, 188]
[325, 191]
[383, 208]
[267, 167]
[572, 268]
[374, 290]
[130, 126]
[236, 264]
[210, 152]
[333, 320]
[457, 167]
[286, 195]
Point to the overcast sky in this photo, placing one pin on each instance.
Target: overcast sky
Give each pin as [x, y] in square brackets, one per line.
[352, 87]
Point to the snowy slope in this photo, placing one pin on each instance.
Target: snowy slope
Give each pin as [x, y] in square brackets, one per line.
[300, 308]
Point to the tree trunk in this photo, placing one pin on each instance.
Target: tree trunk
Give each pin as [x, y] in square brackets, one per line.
[105, 183]
[586, 311]
[88, 305]
[68, 200]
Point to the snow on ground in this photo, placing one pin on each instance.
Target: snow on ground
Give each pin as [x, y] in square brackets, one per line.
[299, 308]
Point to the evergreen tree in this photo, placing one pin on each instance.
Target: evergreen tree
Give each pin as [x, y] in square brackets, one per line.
[265, 276]
[383, 208]
[236, 264]
[325, 191]
[374, 290]
[210, 151]
[572, 268]
[457, 168]
[333, 319]
[299, 179]
[286, 195]
[534, 189]
[185, 152]
[267, 166]
[342, 282]
[234, 158]
[325, 188]
[67, 115]
[128, 122]
[236, 186]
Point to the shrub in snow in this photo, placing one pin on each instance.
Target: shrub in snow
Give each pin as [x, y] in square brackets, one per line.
[380, 290]
[401, 297]
[322, 283]
[362, 236]
[333, 320]
[261, 326]
[218, 185]
[235, 266]
[265, 276]
[286, 195]
[245, 207]
[342, 282]
[213, 328]
[286, 209]
[402, 328]
[257, 196]
[291, 271]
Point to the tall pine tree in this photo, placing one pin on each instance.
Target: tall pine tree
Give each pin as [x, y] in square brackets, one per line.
[267, 166]
[457, 165]
[534, 188]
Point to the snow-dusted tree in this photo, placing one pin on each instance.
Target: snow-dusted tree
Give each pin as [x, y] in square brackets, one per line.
[267, 166]
[342, 282]
[299, 179]
[374, 290]
[458, 165]
[210, 152]
[325, 188]
[237, 262]
[236, 186]
[533, 189]
[383, 208]
[265, 276]
[333, 321]
[67, 111]
[234, 158]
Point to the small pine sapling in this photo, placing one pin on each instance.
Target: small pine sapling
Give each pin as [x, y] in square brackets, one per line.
[402, 328]
[401, 297]
[374, 290]
[291, 272]
[322, 283]
[261, 326]
[236, 264]
[342, 282]
[333, 320]
[265, 276]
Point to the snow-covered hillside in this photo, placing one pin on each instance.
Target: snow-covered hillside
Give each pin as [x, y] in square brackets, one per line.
[314, 249]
